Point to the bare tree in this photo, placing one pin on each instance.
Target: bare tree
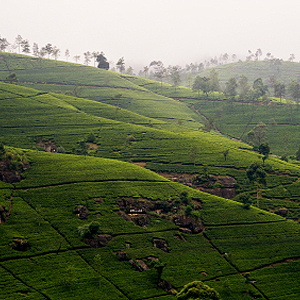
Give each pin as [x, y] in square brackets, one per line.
[67, 54]
[292, 57]
[18, 42]
[3, 44]
[55, 52]
[87, 57]
[35, 50]
[77, 58]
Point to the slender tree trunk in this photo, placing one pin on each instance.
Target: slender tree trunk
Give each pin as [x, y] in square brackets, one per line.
[257, 195]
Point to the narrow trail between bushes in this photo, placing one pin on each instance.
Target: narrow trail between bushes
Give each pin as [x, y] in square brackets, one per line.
[87, 181]
[24, 283]
[228, 260]
[10, 206]
[203, 116]
[246, 128]
[5, 62]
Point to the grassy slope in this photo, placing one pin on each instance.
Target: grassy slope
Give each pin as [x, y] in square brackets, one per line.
[26, 115]
[285, 72]
[236, 119]
[161, 150]
[44, 217]
[96, 84]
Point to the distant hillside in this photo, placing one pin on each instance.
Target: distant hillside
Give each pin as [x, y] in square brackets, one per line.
[284, 71]
[99, 85]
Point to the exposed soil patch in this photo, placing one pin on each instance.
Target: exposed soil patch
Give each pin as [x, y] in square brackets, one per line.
[19, 244]
[7, 174]
[166, 286]
[135, 265]
[140, 164]
[82, 212]
[140, 211]
[122, 256]
[98, 242]
[222, 186]
[49, 146]
[188, 224]
[161, 244]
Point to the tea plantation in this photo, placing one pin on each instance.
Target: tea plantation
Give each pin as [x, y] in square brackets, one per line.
[94, 218]
[58, 264]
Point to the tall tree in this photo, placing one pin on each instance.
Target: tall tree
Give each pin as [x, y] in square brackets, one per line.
[243, 86]
[145, 71]
[49, 49]
[25, 46]
[35, 50]
[257, 175]
[87, 57]
[292, 57]
[77, 58]
[3, 44]
[18, 42]
[214, 81]
[258, 134]
[259, 88]
[294, 90]
[55, 52]
[67, 54]
[129, 71]
[279, 90]
[102, 61]
[175, 75]
[95, 55]
[230, 88]
[258, 53]
[201, 83]
[121, 65]
[160, 72]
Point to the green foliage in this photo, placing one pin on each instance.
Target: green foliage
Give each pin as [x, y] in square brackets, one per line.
[246, 200]
[88, 230]
[197, 290]
[11, 78]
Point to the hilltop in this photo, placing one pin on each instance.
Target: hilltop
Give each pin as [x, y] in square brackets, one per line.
[284, 71]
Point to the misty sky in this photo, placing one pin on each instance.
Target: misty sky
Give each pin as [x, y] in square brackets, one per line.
[173, 31]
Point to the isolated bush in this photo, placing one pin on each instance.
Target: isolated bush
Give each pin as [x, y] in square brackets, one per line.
[197, 290]
[246, 199]
[89, 230]
[61, 149]
[91, 138]
[188, 210]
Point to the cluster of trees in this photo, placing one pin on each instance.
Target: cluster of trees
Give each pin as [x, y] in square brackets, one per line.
[244, 90]
[49, 50]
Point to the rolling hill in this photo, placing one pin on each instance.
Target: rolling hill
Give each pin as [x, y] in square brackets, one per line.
[94, 225]
[58, 264]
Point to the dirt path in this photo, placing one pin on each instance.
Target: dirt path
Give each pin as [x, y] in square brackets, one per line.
[246, 128]
[197, 111]
[1, 57]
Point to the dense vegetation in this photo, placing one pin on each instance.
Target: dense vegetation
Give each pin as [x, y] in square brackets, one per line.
[84, 222]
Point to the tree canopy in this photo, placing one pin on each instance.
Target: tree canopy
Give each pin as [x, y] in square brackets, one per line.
[102, 61]
[199, 291]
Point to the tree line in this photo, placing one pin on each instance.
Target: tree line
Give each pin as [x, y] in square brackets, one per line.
[49, 50]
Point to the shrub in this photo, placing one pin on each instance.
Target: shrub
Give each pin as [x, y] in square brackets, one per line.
[91, 138]
[89, 230]
[188, 210]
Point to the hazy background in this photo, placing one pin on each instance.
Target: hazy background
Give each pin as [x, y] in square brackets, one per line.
[173, 31]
